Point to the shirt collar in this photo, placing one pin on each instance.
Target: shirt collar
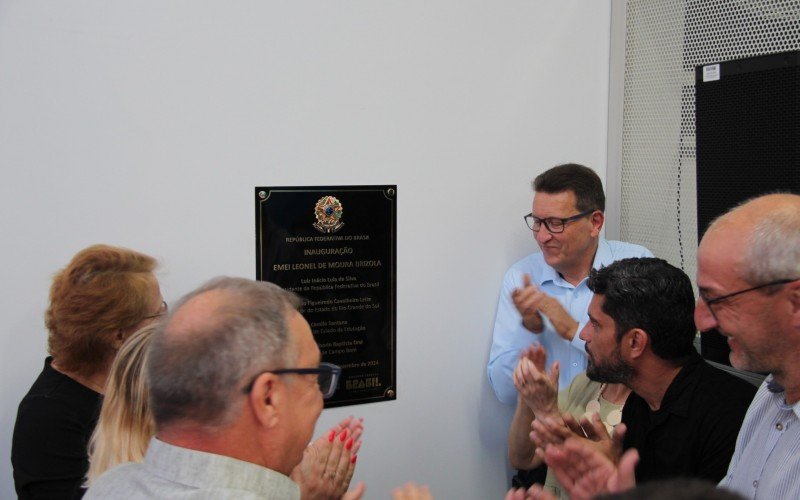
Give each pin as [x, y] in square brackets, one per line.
[603, 256]
[776, 391]
[547, 274]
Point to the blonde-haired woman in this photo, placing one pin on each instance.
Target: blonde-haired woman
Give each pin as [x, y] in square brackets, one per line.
[126, 423]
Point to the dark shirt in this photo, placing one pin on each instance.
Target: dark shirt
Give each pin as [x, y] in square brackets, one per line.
[54, 423]
[693, 433]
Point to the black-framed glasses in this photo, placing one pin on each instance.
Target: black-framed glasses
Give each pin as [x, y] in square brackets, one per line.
[161, 311]
[716, 300]
[327, 377]
[553, 224]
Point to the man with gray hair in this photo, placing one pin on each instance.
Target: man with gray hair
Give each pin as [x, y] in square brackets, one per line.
[748, 273]
[236, 388]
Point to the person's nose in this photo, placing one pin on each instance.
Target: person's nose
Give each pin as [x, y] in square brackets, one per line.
[584, 334]
[704, 319]
[543, 236]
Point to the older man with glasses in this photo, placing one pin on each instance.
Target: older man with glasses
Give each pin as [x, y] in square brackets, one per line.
[544, 296]
[748, 273]
[236, 387]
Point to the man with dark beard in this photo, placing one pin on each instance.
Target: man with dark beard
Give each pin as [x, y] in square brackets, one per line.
[683, 415]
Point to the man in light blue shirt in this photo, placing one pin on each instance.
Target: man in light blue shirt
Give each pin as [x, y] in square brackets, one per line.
[544, 296]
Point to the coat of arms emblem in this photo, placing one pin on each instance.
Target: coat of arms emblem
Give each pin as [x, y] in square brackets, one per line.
[328, 212]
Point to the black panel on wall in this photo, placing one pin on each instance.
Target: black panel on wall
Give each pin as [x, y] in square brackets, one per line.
[747, 124]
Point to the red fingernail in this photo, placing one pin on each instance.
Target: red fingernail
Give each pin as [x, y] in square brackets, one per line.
[331, 435]
[343, 436]
[349, 444]
[353, 459]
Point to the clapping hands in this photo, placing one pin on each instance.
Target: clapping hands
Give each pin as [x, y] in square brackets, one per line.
[532, 303]
[329, 463]
[537, 388]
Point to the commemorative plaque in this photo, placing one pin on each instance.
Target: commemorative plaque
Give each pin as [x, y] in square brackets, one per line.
[335, 247]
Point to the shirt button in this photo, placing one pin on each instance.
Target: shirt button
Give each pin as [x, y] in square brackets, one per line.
[755, 483]
[576, 364]
[779, 426]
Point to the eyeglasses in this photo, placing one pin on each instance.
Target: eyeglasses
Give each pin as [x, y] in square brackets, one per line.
[161, 311]
[716, 300]
[553, 224]
[327, 377]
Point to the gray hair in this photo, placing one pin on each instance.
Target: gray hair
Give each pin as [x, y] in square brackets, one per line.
[772, 250]
[196, 372]
[772, 247]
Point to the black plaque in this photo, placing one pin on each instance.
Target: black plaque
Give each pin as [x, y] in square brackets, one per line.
[335, 246]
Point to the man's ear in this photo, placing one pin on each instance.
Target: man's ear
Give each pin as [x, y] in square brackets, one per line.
[598, 218]
[635, 342]
[266, 398]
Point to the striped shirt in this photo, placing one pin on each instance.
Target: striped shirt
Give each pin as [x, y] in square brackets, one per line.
[766, 463]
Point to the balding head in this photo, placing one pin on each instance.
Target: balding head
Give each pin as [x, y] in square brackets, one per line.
[748, 273]
[217, 337]
[763, 237]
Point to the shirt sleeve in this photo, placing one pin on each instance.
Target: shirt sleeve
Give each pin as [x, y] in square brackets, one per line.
[508, 339]
[577, 342]
[49, 451]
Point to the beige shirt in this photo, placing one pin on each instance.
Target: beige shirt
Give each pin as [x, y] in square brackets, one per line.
[573, 400]
[174, 472]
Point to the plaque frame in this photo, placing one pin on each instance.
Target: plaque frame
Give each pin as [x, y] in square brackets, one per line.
[267, 244]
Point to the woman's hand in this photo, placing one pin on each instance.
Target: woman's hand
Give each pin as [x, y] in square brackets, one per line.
[538, 389]
[329, 463]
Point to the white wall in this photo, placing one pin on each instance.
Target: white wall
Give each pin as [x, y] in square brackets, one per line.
[147, 124]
